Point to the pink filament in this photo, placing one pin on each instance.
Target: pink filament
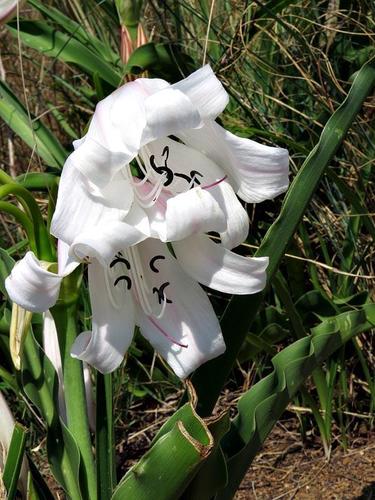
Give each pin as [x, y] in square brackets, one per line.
[171, 339]
[209, 186]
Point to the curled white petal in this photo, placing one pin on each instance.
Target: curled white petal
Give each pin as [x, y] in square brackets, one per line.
[103, 242]
[219, 268]
[167, 112]
[205, 91]
[236, 216]
[31, 286]
[257, 172]
[194, 211]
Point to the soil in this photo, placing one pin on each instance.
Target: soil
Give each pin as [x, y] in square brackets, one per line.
[286, 469]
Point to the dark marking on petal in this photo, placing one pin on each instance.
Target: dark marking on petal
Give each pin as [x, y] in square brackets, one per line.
[118, 259]
[192, 178]
[160, 293]
[123, 278]
[164, 169]
[153, 260]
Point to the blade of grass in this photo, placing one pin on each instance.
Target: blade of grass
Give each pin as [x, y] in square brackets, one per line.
[14, 459]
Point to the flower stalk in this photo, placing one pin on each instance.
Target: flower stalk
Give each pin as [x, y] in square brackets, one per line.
[65, 316]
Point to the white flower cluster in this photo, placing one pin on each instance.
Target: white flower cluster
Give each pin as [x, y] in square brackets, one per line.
[155, 167]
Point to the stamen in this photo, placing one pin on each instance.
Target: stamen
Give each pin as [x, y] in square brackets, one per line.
[138, 275]
[154, 194]
[209, 186]
[166, 335]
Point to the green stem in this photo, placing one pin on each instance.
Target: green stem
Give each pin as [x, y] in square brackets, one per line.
[23, 219]
[45, 251]
[65, 317]
[104, 436]
[34, 376]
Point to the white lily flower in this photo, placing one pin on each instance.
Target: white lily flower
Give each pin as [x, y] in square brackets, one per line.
[8, 9]
[145, 285]
[189, 169]
[6, 431]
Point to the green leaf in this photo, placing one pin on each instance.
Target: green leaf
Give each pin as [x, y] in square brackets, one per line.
[50, 42]
[6, 266]
[210, 378]
[180, 447]
[76, 30]
[39, 485]
[34, 133]
[261, 406]
[212, 475]
[14, 459]
[40, 384]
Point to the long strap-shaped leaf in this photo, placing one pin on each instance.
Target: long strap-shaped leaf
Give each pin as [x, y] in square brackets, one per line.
[181, 446]
[34, 133]
[43, 37]
[210, 378]
[261, 407]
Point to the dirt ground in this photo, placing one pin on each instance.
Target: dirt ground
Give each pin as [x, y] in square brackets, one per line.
[285, 469]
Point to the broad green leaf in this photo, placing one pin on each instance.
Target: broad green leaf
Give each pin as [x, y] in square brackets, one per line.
[261, 406]
[210, 378]
[50, 42]
[212, 475]
[192, 423]
[166, 469]
[35, 134]
[160, 60]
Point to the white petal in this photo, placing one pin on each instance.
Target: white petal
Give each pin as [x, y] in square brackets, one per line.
[52, 350]
[219, 268]
[114, 134]
[258, 172]
[66, 263]
[167, 112]
[205, 91]
[188, 320]
[236, 216]
[112, 323]
[194, 211]
[33, 287]
[102, 242]
[137, 218]
[98, 163]
[8, 9]
[78, 209]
